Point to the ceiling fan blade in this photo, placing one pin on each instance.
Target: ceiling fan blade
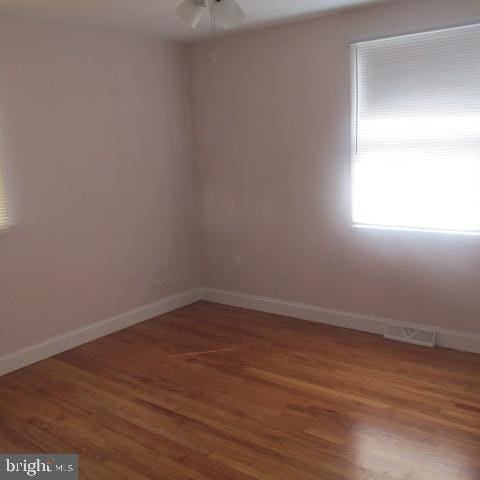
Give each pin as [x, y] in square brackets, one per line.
[235, 19]
[190, 12]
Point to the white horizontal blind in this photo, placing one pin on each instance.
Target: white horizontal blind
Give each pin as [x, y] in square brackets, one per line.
[3, 205]
[416, 152]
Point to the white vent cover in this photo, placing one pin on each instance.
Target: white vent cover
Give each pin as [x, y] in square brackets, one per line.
[410, 334]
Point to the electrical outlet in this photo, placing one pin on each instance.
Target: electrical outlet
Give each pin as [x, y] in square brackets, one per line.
[237, 262]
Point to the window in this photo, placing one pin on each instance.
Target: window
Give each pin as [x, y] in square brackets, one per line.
[416, 145]
[4, 223]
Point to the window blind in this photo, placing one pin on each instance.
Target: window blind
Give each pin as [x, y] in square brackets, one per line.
[416, 125]
[4, 223]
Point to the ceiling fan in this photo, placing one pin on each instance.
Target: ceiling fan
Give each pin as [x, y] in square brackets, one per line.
[225, 12]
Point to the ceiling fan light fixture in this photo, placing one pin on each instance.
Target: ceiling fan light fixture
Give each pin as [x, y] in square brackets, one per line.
[235, 19]
[190, 11]
[222, 10]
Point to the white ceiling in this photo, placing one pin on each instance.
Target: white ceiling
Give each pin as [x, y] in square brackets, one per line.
[158, 17]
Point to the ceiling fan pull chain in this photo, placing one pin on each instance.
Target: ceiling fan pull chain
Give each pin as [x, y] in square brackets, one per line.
[214, 53]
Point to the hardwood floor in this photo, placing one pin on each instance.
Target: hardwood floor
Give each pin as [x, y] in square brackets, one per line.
[272, 398]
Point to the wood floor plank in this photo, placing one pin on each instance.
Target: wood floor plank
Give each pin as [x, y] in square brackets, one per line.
[211, 392]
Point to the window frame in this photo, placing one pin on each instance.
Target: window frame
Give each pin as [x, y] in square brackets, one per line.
[353, 41]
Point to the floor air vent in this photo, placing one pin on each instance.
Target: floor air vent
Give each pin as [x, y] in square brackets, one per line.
[403, 333]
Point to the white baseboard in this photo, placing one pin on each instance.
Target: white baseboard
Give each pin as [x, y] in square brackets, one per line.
[20, 359]
[467, 342]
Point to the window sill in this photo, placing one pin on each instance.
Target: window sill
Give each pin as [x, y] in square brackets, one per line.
[416, 230]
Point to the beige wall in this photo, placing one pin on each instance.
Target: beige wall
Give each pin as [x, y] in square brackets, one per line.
[95, 138]
[94, 132]
[272, 132]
